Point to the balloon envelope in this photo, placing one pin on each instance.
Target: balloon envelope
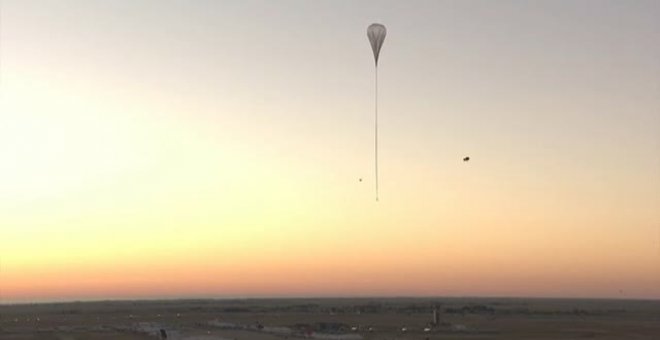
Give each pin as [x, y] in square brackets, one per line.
[376, 34]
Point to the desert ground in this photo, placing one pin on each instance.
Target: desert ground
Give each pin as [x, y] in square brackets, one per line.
[365, 318]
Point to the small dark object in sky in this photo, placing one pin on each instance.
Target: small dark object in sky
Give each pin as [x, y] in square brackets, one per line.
[465, 159]
[360, 179]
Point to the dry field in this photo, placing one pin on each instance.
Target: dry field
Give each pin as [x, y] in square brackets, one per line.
[265, 319]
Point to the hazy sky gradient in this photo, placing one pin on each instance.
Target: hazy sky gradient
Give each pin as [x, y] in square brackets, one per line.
[213, 148]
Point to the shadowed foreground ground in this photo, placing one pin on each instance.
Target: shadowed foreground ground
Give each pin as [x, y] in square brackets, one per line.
[262, 319]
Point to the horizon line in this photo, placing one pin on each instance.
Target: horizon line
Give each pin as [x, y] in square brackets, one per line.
[320, 297]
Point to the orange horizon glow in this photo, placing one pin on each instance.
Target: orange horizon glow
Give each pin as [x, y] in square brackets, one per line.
[226, 150]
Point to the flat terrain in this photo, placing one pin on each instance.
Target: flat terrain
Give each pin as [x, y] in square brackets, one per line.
[403, 318]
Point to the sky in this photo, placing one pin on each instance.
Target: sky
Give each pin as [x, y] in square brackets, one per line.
[162, 149]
